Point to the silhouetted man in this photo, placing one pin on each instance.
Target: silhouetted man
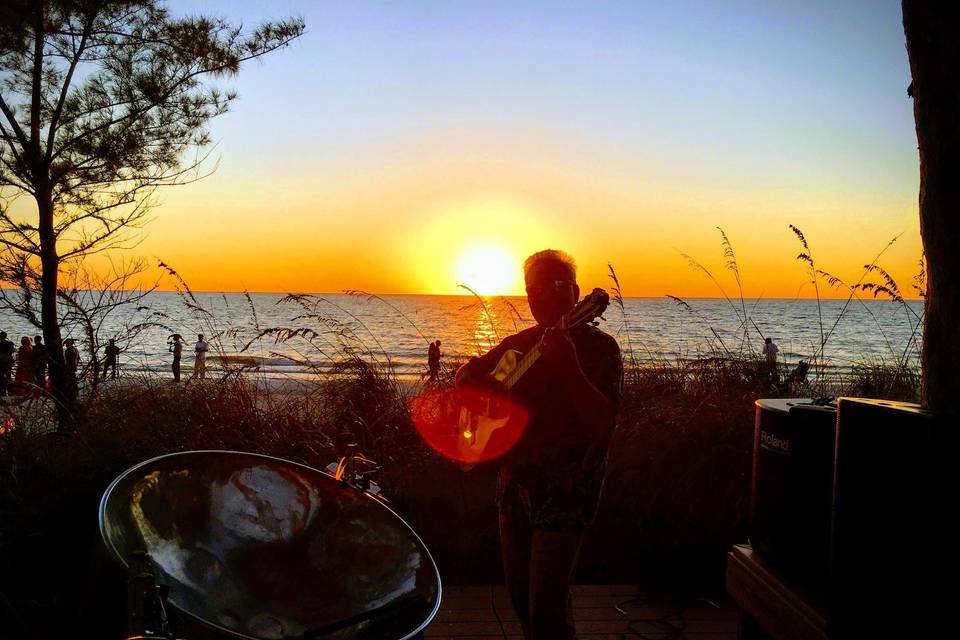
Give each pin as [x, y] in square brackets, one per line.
[177, 348]
[113, 351]
[39, 362]
[6, 363]
[71, 356]
[200, 362]
[549, 484]
[770, 351]
[433, 360]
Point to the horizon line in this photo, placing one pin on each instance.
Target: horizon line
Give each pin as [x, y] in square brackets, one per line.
[361, 292]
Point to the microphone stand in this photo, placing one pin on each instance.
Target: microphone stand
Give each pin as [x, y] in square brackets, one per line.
[146, 610]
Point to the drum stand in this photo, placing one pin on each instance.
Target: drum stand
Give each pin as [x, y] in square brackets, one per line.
[146, 601]
[347, 473]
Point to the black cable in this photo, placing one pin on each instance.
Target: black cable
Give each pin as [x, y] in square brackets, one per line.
[493, 605]
[671, 623]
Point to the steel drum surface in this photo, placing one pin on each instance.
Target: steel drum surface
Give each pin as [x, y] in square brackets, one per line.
[259, 547]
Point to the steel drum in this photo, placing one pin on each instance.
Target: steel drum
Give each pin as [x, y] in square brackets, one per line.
[263, 548]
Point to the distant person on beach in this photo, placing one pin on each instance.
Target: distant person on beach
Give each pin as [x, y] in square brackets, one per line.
[6, 363]
[113, 352]
[40, 362]
[200, 363]
[799, 375]
[176, 347]
[549, 484]
[770, 350]
[433, 361]
[24, 378]
[71, 356]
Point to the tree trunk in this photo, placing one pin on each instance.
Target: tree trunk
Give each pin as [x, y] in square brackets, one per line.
[933, 45]
[50, 265]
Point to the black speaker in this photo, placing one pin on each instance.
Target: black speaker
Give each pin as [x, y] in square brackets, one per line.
[793, 486]
[893, 559]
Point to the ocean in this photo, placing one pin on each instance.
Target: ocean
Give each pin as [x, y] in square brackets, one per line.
[297, 334]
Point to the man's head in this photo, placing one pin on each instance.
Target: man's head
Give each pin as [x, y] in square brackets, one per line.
[438, 343]
[38, 339]
[68, 342]
[3, 335]
[551, 280]
[768, 340]
[199, 336]
[112, 341]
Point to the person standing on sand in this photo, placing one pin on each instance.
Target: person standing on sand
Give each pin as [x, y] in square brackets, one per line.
[71, 356]
[770, 350]
[200, 363]
[176, 347]
[6, 363]
[39, 362]
[113, 352]
[24, 378]
[433, 361]
[549, 484]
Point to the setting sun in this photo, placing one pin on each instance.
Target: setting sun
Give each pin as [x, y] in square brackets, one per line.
[488, 270]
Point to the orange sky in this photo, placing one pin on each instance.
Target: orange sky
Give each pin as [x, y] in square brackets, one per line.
[392, 223]
[624, 132]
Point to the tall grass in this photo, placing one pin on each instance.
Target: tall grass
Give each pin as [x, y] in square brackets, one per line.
[900, 368]
[623, 333]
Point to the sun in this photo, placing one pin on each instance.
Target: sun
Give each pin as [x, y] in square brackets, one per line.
[488, 270]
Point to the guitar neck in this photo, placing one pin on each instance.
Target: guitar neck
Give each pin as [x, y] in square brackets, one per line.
[585, 311]
[523, 366]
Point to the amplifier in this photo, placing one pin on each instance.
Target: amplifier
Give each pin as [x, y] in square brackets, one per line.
[792, 490]
[894, 534]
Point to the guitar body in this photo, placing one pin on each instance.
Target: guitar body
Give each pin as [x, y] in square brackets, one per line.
[478, 423]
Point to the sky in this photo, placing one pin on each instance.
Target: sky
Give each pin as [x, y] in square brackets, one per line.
[412, 147]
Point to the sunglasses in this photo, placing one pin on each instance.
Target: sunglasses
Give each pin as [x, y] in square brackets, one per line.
[548, 287]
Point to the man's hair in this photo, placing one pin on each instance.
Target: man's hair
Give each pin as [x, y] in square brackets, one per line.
[768, 339]
[550, 255]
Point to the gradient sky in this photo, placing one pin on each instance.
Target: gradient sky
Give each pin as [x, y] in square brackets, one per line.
[394, 139]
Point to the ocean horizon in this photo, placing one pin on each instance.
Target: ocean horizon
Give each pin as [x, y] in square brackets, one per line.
[298, 335]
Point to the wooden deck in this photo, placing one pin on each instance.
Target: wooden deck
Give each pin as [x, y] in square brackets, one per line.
[601, 612]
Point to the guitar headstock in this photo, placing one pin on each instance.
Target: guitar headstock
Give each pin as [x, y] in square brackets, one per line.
[592, 306]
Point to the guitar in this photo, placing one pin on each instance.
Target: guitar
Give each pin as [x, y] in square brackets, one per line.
[490, 412]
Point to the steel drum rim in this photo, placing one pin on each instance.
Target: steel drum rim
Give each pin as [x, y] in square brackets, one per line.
[118, 556]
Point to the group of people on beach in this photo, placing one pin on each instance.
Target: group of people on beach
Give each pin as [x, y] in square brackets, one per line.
[797, 377]
[23, 370]
[200, 349]
[175, 345]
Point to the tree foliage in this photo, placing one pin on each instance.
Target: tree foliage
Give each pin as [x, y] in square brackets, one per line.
[101, 103]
